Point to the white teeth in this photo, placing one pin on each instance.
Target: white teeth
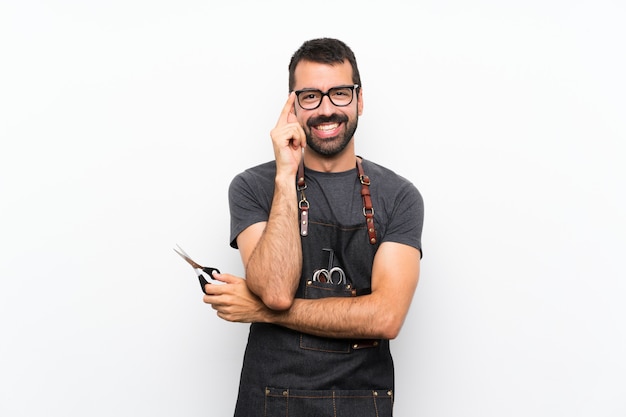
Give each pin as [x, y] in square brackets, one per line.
[327, 127]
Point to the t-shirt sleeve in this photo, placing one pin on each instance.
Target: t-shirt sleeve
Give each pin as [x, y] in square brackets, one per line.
[247, 203]
[407, 218]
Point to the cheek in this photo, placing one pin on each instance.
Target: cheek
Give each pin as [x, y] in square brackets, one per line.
[301, 119]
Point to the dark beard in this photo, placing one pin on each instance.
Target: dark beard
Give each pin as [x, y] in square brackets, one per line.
[330, 146]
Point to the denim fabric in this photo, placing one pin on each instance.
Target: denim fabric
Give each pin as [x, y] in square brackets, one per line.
[288, 373]
[343, 403]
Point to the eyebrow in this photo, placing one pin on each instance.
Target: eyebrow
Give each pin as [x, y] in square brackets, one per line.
[318, 89]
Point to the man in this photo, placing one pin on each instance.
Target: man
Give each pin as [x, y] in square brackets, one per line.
[331, 245]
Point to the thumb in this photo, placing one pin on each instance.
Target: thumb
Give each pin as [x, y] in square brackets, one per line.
[225, 278]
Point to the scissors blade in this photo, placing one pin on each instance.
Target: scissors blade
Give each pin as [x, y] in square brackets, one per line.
[186, 257]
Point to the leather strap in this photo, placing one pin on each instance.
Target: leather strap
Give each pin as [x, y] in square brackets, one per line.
[303, 204]
[368, 209]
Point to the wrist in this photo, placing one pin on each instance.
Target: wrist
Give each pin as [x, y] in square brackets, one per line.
[270, 316]
[285, 181]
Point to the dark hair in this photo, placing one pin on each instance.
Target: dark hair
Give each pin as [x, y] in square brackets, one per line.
[324, 51]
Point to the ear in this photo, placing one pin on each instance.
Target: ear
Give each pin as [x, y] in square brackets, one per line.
[359, 101]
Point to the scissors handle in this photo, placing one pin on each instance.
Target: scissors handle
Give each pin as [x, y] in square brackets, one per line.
[209, 271]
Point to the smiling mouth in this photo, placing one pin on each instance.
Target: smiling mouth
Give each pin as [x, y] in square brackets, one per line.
[326, 127]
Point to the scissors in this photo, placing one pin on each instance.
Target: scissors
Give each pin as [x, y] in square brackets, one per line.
[326, 275]
[201, 271]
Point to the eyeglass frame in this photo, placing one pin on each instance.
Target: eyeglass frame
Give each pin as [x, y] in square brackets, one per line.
[352, 87]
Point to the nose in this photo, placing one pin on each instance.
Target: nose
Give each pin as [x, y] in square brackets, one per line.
[326, 106]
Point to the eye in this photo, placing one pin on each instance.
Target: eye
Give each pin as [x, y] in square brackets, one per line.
[341, 92]
[310, 96]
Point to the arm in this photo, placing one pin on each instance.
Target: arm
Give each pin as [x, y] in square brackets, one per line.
[271, 251]
[378, 315]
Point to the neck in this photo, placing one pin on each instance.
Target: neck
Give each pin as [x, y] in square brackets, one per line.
[342, 162]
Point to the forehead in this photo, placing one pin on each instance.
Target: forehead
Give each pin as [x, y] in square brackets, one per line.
[321, 76]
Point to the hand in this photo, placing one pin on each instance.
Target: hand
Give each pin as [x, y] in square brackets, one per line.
[233, 301]
[288, 139]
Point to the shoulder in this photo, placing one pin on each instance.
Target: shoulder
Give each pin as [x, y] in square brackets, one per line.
[386, 178]
[398, 203]
[259, 175]
[266, 170]
[392, 192]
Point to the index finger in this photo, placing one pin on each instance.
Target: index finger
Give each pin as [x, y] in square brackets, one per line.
[284, 115]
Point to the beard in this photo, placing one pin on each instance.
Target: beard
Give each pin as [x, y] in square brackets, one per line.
[334, 145]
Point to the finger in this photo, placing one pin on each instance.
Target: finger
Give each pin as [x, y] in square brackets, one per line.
[218, 276]
[298, 138]
[213, 300]
[206, 298]
[212, 289]
[302, 136]
[226, 278]
[291, 118]
[287, 110]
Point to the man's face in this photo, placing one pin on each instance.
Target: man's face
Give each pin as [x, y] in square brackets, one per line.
[328, 128]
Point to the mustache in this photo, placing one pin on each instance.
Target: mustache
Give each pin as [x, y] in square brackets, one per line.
[333, 118]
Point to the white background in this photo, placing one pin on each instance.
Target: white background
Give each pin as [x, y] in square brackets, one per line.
[122, 123]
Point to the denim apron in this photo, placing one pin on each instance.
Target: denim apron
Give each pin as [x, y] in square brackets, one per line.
[287, 373]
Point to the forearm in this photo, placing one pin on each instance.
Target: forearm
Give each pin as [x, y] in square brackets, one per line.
[378, 315]
[274, 267]
[339, 317]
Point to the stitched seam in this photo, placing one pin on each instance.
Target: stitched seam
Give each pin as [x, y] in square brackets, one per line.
[342, 228]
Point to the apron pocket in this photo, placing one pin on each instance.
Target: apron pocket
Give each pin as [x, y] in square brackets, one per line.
[316, 290]
[324, 344]
[285, 402]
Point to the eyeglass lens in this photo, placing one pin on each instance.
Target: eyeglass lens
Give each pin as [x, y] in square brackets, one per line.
[339, 96]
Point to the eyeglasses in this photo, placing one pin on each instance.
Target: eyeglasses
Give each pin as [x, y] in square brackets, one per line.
[341, 96]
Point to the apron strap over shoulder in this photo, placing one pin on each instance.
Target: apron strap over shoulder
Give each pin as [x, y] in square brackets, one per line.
[368, 209]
